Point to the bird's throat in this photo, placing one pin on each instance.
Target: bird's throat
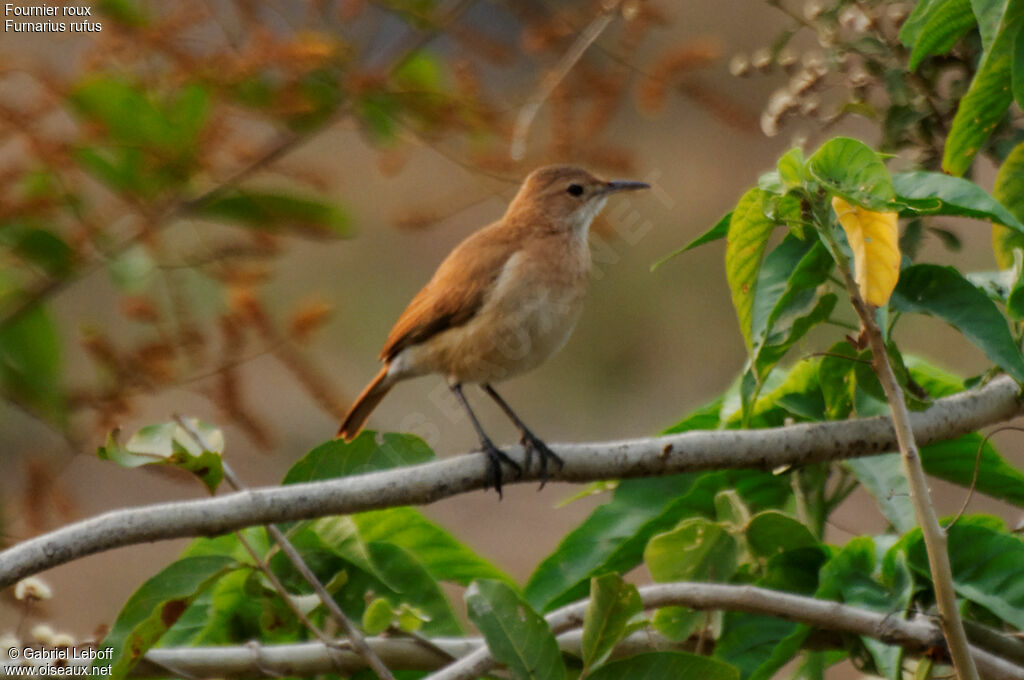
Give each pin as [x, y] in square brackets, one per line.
[586, 214]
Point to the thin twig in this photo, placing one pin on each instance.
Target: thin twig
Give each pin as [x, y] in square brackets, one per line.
[353, 633]
[524, 120]
[283, 145]
[258, 561]
[709, 596]
[924, 510]
[835, 355]
[916, 635]
[977, 468]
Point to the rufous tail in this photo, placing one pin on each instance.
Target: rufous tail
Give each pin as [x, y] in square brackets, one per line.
[364, 405]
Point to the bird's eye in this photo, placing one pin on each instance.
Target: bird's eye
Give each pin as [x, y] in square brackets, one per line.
[575, 190]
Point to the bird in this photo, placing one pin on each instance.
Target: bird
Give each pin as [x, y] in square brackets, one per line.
[501, 303]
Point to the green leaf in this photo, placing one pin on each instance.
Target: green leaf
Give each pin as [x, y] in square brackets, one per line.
[852, 170]
[420, 71]
[786, 304]
[412, 584]
[747, 640]
[731, 510]
[934, 380]
[663, 665]
[1017, 71]
[771, 183]
[783, 339]
[989, 14]
[773, 282]
[795, 570]
[379, 111]
[749, 230]
[719, 230]
[703, 418]
[771, 532]
[38, 246]
[610, 539]
[986, 565]
[516, 635]
[369, 452]
[1015, 301]
[30, 363]
[170, 444]
[1009, 191]
[613, 602]
[883, 477]
[786, 394]
[319, 93]
[946, 22]
[835, 376]
[944, 293]
[219, 613]
[697, 550]
[792, 168]
[444, 557]
[934, 193]
[339, 535]
[157, 605]
[274, 212]
[377, 616]
[852, 574]
[954, 461]
[614, 536]
[188, 112]
[678, 623]
[410, 619]
[127, 12]
[989, 94]
[914, 25]
[128, 114]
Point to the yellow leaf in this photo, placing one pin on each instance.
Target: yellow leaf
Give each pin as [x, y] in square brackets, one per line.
[873, 237]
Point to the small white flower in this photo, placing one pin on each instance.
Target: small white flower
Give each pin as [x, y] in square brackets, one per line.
[9, 641]
[810, 105]
[42, 633]
[62, 640]
[739, 65]
[812, 9]
[32, 588]
[852, 18]
[787, 58]
[761, 59]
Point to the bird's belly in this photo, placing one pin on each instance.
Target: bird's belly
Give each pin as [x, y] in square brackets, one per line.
[509, 336]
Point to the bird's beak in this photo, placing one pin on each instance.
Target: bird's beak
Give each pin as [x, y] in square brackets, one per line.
[623, 185]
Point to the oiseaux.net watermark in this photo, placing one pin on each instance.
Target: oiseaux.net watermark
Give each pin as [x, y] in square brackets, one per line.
[35, 661]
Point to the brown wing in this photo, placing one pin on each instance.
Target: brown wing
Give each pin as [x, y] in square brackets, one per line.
[455, 293]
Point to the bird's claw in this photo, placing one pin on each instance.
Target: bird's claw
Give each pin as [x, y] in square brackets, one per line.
[495, 457]
[532, 443]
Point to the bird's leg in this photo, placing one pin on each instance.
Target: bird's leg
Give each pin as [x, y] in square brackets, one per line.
[529, 440]
[495, 456]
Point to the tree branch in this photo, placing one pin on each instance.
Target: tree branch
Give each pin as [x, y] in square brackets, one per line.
[311, 658]
[422, 484]
[914, 635]
[934, 536]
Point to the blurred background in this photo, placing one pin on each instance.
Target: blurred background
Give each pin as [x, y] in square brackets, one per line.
[218, 208]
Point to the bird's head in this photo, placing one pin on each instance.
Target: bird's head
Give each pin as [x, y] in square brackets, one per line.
[566, 196]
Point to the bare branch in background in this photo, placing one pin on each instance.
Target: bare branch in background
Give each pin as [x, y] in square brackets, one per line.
[304, 659]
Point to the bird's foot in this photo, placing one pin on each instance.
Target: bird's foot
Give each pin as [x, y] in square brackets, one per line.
[495, 457]
[531, 443]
